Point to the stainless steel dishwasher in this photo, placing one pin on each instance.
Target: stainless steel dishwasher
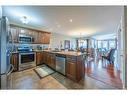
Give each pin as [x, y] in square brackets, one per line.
[60, 63]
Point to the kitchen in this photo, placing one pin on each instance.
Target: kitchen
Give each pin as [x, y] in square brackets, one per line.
[42, 43]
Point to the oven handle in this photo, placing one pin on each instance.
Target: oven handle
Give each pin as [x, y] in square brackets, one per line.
[26, 53]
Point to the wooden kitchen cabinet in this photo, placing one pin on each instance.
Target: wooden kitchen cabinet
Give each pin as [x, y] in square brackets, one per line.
[46, 38]
[45, 54]
[40, 37]
[15, 34]
[39, 58]
[35, 36]
[51, 60]
[71, 67]
[15, 61]
[75, 67]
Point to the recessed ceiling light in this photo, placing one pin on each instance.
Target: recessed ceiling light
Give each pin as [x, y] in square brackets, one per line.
[70, 20]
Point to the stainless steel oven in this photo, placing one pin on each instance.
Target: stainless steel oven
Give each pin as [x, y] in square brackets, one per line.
[27, 60]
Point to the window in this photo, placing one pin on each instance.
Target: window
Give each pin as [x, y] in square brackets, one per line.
[99, 44]
[92, 44]
[112, 44]
[105, 44]
[82, 43]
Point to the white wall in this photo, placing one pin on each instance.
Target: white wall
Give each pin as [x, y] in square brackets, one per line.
[57, 38]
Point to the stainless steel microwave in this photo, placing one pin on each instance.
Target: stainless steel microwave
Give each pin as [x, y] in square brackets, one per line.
[25, 39]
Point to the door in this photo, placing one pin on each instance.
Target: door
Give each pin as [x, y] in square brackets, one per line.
[121, 50]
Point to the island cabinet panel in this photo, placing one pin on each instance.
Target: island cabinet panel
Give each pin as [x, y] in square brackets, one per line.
[71, 67]
[80, 67]
[75, 67]
[39, 58]
[15, 61]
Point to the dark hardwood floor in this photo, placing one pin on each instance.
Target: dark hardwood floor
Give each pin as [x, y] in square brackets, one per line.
[104, 72]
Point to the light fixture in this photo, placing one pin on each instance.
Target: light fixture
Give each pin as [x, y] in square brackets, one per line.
[24, 20]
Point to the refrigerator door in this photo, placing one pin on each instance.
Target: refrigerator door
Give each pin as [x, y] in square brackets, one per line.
[6, 49]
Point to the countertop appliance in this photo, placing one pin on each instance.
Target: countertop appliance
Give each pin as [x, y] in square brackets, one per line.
[60, 63]
[27, 57]
[5, 52]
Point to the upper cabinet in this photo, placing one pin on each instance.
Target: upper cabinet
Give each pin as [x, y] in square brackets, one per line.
[40, 37]
[15, 34]
[46, 38]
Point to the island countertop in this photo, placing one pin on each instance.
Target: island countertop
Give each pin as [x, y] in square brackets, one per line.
[71, 53]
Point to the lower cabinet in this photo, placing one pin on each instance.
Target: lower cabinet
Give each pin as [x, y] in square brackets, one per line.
[52, 60]
[49, 59]
[39, 58]
[75, 67]
[71, 67]
[15, 61]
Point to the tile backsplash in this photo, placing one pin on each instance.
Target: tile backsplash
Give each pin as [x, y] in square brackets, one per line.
[33, 46]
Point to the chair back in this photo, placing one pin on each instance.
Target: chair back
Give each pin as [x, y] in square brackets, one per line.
[111, 54]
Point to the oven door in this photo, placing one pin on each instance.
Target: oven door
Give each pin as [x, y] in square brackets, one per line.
[27, 60]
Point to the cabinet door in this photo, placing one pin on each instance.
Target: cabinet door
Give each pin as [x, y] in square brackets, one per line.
[39, 58]
[15, 34]
[35, 36]
[40, 37]
[23, 31]
[45, 55]
[52, 60]
[46, 39]
[71, 68]
[15, 61]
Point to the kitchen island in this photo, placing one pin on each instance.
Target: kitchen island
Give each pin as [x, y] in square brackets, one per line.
[74, 63]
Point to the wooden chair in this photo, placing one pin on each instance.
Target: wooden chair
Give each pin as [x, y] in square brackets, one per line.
[110, 56]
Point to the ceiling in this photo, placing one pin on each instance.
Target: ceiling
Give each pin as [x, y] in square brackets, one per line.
[73, 21]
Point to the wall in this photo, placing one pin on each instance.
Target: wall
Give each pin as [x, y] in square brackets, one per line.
[56, 39]
[125, 26]
[0, 11]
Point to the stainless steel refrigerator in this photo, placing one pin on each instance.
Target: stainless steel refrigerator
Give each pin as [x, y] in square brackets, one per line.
[5, 53]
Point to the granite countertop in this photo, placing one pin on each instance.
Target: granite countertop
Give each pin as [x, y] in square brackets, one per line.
[71, 53]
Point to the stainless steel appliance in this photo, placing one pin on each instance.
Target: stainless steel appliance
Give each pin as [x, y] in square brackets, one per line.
[5, 53]
[27, 58]
[60, 63]
[25, 38]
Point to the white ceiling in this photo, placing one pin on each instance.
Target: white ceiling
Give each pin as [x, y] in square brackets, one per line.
[86, 20]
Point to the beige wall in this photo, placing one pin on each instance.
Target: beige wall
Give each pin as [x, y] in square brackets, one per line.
[57, 38]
